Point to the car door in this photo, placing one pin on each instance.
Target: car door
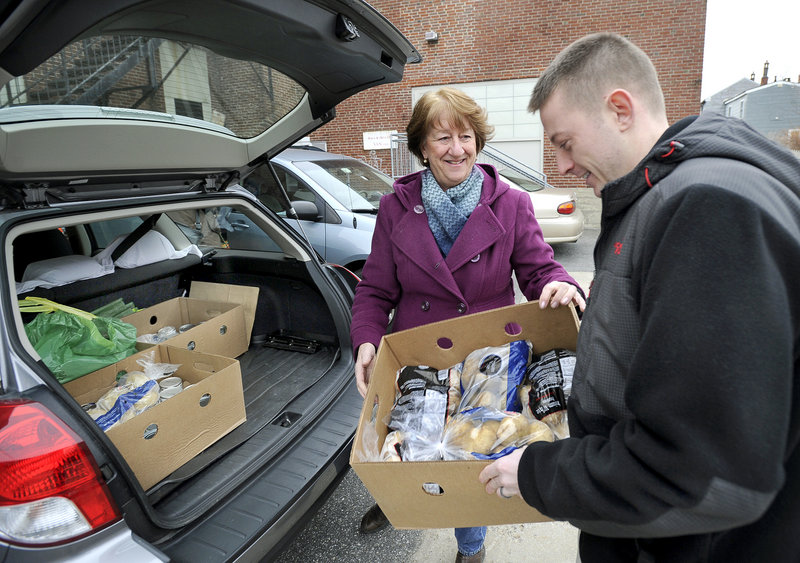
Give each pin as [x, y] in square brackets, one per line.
[313, 225]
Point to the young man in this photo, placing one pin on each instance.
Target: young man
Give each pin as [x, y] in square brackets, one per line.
[685, 405]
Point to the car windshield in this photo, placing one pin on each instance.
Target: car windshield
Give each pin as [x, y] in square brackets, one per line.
[156, 80]
[353, 183]
[521, 180]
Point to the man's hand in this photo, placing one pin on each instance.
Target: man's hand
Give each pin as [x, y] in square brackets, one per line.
[500, 477]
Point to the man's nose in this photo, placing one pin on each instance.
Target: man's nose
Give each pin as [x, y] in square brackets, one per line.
[563, 163]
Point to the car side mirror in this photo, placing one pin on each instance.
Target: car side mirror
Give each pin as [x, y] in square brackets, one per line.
[306, 210]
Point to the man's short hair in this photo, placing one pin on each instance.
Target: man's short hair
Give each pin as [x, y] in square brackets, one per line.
[599, 63]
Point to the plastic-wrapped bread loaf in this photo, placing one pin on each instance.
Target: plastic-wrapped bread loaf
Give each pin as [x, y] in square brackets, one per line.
[490, 376]
[421, 408]
[486, 433]
[126, 401]
[546, 387]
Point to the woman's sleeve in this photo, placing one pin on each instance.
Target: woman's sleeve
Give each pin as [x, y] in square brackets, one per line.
[379, 290]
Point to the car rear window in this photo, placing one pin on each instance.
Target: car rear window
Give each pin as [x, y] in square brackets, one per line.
[354, 184]
[155, 79]
[526, 183]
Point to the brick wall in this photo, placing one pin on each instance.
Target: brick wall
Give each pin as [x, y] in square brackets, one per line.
[484, 40]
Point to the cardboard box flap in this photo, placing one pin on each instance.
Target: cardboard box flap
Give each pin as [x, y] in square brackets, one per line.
[245, 296]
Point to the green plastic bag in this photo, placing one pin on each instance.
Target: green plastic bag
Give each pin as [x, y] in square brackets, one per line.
[72, 342]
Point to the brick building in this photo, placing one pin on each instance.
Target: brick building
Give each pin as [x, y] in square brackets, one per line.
[497, 48]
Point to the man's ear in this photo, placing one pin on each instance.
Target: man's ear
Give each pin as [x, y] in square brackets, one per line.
[620, 102]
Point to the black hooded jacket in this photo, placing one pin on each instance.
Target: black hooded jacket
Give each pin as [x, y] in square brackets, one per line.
[685, 406]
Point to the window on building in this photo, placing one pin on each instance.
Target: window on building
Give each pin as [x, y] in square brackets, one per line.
[189, 108]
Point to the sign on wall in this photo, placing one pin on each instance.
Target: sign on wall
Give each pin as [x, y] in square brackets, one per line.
[374, 140]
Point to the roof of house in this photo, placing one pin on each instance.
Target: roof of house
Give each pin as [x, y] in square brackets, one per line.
[716, 102]
[778, 84]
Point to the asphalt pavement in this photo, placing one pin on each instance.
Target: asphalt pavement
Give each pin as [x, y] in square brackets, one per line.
[332, 535]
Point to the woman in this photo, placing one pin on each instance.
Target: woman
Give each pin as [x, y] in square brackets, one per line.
[445, 244]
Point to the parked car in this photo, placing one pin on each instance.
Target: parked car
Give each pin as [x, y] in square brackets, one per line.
[335, 197]
[556, 209]
[111, 124]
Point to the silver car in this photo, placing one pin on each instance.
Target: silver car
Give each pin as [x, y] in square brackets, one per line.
[335, 198]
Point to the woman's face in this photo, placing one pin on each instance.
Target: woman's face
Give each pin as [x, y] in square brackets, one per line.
[451, 153]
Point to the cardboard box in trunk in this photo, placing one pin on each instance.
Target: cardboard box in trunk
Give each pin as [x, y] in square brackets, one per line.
[161, 439]
[223, 315]
[398, 487]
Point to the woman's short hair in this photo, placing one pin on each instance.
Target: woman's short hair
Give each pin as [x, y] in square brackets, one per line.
[450, 105]
[598, 63]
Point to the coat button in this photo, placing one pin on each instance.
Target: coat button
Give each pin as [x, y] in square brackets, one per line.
[476, 258]
[419, 210]
[462, 308]
[425, 305]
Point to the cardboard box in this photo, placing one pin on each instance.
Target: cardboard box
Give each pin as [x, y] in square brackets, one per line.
[223, 316]
[243, 295]
[398, 486]
[161, 439]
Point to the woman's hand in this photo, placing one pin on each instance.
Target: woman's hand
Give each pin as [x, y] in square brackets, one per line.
[558, 293]
[500, 477]
[365, 363]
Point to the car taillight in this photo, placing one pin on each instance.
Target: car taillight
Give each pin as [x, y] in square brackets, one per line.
[51, 489]
[566, 208]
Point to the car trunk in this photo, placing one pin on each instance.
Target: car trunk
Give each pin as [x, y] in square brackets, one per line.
[298, 366]
[124, 111]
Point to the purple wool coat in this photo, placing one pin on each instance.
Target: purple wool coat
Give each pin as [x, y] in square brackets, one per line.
[406, 271]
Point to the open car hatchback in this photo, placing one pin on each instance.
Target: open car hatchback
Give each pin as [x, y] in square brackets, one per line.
[127, 129]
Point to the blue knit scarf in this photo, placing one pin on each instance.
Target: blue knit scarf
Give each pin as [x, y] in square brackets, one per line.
[448, 210]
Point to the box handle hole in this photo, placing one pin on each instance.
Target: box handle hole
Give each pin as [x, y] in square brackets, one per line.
[150, 431]
[153, 320]
[513, 329]
[223, 329]
[444, 343]
[433, 489]
[205, 399]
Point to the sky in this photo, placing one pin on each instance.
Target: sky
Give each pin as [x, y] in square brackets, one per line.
[742, 34]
